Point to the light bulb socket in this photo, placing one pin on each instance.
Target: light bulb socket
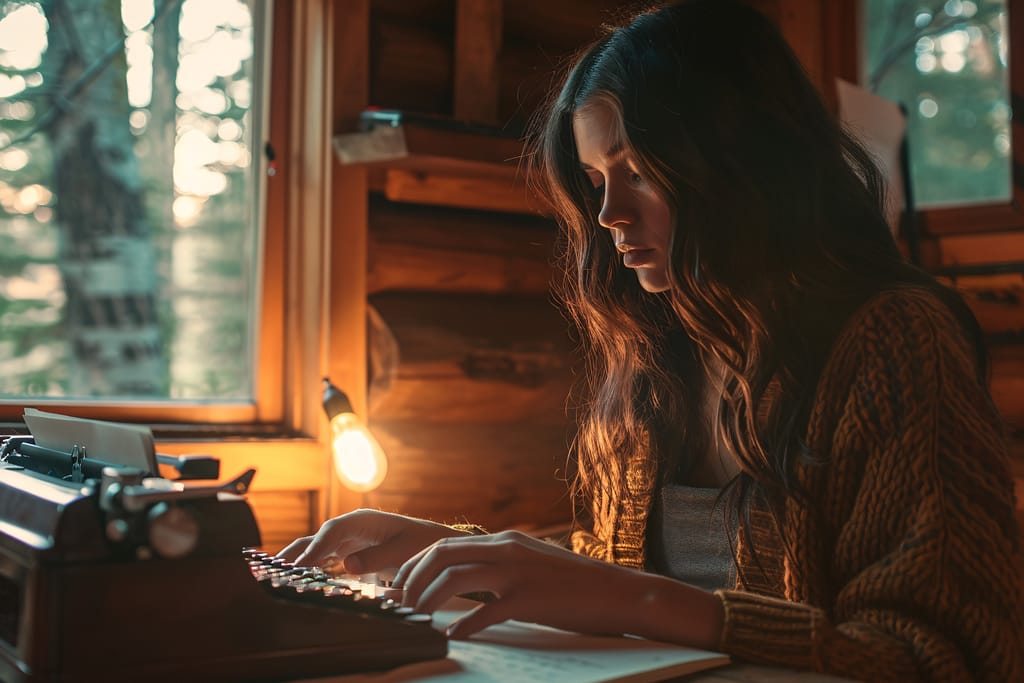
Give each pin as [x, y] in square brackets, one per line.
[335, 401]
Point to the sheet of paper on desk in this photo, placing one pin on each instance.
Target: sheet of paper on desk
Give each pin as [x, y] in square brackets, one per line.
[514, 652]
[117, 443]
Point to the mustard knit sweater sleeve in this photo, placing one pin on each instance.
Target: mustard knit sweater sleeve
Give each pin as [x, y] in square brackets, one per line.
[903, 564]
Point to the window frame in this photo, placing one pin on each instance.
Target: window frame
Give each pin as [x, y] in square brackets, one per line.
[843, 33]
[278, 291]
[312, 301]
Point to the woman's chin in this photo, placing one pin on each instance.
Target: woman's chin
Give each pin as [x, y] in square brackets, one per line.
[651, 282]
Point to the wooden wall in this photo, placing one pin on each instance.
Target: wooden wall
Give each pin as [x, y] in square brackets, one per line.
[470, 362]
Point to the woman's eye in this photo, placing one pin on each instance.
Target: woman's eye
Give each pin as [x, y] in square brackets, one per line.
[597, 191]
[635, 178]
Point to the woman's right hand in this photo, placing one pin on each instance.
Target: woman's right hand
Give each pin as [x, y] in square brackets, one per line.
[366, 541]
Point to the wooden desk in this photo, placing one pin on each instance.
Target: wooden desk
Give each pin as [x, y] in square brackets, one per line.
[748, 673]
[515, 652]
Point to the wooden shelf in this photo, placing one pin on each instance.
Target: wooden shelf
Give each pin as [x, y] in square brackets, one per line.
[430, 165]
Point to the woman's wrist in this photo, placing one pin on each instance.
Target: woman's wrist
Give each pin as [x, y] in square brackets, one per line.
[676, 612]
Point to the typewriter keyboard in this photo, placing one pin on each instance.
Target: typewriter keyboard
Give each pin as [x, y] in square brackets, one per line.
[313, 585]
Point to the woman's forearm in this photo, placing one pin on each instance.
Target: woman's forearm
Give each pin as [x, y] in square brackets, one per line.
[675, 612]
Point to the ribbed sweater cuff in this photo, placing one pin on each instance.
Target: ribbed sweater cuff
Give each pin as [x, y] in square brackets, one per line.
[769, 630]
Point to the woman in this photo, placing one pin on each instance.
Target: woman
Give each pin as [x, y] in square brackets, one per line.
[756, 346]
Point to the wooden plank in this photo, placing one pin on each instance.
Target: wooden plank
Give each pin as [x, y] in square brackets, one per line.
[273, 341]
[999, 247]
[428, 248]
[397, 266]
[473, 192]
[474, 358]
[345, 312]
[411, 61]
[478, 34]
[284, 516]
[1000, 312]
[1007, 382]
[280, 464]
[307, 212]
[497, 475]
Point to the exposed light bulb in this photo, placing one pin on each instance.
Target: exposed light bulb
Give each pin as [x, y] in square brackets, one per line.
[359, 461]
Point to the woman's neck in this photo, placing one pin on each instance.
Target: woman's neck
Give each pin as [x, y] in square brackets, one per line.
[717, 465]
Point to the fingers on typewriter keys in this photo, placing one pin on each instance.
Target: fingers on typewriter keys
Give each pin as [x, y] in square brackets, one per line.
[313, 584]
[334, 565]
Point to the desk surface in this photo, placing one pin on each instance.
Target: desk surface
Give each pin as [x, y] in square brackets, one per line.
[515, 652]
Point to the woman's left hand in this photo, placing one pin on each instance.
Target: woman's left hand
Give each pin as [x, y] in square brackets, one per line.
[536, 581]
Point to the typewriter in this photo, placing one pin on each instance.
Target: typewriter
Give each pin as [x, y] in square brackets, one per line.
[108, 573]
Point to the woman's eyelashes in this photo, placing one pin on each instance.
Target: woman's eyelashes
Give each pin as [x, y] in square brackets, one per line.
[596, 182]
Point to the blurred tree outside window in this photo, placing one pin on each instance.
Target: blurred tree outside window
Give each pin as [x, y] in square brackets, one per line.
[946, 62]
[129, 199]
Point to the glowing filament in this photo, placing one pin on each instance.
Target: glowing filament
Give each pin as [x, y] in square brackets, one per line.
[358, 459]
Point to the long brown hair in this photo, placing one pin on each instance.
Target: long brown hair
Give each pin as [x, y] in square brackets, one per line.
[780, 237]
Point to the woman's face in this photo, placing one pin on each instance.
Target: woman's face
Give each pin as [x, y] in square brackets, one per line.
[638, 219]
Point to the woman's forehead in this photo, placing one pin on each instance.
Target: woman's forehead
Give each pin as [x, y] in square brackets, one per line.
[598, 131]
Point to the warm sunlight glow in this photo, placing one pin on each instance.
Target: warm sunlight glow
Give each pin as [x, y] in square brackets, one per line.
[37, 281]
[138, 119]
[20, 111]
[139, 53]
[210, 101]
[953, 62]
[23, 37]
[30, 197]
[13, 159]
[186, 210]
[11, 85]
[191, 156]
[136, 14]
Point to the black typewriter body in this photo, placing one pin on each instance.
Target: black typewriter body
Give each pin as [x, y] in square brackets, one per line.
[97, 585]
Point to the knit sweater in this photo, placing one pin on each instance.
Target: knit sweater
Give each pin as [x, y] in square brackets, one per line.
[902, 563]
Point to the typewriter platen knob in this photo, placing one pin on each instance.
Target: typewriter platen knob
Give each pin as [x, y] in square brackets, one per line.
[173, 531]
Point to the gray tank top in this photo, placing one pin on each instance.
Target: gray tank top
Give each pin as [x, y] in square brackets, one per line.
[695, 546]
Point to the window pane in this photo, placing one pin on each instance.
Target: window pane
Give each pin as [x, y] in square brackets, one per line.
[945, 61]
[129, 199]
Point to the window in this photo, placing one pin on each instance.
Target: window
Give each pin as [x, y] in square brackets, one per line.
[946, 62]
[131, 189]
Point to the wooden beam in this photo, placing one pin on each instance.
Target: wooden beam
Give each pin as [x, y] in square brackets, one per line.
[348, 84]
[416, 248]
[478, 33]
[1007, 384]
[486, 193]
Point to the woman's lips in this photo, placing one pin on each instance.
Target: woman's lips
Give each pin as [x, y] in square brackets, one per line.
[638, 258]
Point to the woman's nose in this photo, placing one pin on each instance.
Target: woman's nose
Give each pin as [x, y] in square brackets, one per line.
[616, 210]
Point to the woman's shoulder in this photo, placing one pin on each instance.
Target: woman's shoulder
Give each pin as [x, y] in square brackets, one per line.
[906, 356]
[904, 305]
[912, 317]
[903, 337]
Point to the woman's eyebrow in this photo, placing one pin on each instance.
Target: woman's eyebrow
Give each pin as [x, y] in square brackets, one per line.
[614, 152]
